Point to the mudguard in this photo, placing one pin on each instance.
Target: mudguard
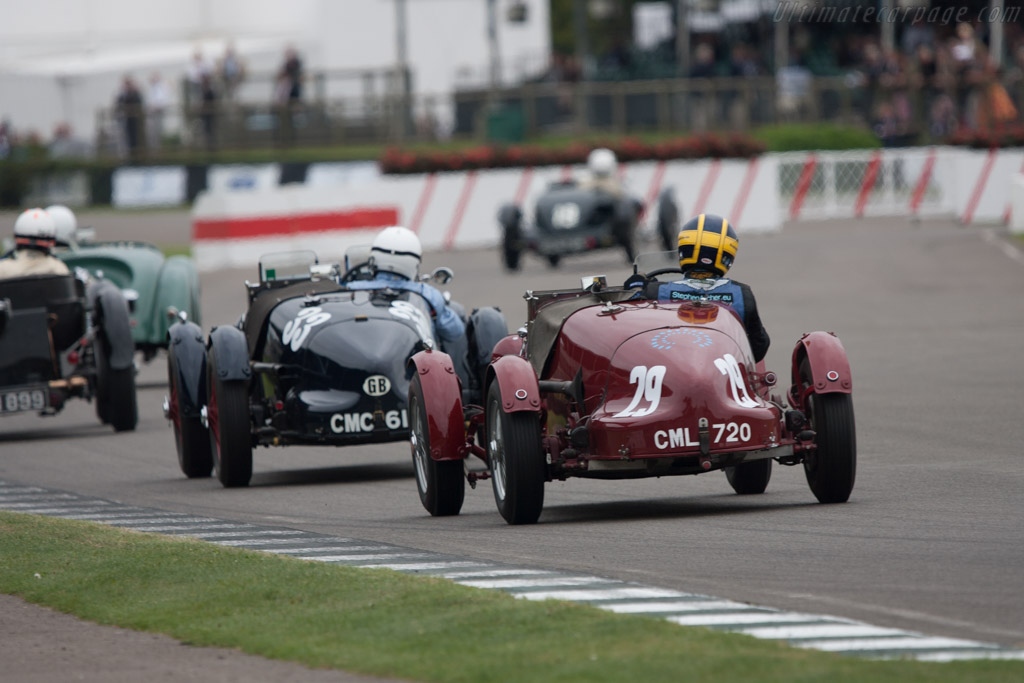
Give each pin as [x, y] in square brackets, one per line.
[442, 399]
[487, 327]
[517, 381]
[111, 311]
[190, 352]
[232, 353]
[512, 345]
[177, 287]
[830, 368]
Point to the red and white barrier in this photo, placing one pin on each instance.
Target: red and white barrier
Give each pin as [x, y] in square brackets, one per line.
[455, 210]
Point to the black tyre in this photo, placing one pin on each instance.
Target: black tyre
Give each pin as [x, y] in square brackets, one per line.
[190, 437]
[554, 260]
[624, 237]
[750, 478]
[116, 400]
[227, 411]
[441, 483]
[667, 230]
[832, 467]
[517, 461]
[511, 250]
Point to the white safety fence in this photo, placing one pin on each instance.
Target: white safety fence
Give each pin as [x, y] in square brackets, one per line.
[458, 210]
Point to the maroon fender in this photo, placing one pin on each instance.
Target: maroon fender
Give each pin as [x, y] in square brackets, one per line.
[830, 367]
[442, 398]
[517, 382]
[511, 345]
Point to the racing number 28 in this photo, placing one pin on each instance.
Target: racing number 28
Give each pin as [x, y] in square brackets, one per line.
[648, 383]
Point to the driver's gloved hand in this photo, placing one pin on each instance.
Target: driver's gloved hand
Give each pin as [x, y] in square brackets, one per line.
[435, 299]
[635, 281]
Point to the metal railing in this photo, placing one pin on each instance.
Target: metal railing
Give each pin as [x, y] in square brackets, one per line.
[380, 113]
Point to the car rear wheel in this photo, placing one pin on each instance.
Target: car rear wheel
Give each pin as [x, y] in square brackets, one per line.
[516, 459]
[441, 483]
[227, 412]
[190, 437]
[831, 467]
[116, 401]
[750, 478]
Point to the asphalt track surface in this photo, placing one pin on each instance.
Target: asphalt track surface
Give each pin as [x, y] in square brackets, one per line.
[931, 540]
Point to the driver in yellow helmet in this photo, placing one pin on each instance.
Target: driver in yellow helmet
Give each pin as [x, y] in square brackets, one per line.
[707, 249]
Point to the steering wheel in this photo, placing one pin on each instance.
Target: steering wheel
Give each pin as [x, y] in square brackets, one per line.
[663, 271]
[353, 272]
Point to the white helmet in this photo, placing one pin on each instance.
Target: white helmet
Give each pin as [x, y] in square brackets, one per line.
[602, 162]
[35, 228]
[65, 221]
[397, 250]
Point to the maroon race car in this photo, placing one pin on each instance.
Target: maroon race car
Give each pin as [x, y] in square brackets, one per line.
[603, 386]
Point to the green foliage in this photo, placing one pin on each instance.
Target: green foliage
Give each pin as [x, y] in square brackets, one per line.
[384, 623]
[792, 137]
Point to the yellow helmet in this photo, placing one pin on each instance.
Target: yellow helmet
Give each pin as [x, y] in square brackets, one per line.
[707, 246]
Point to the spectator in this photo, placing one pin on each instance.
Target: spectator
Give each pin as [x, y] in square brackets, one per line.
[291, 73]
[232, 73]
[158, 100]
[208, 111]
[194, 73]
[704, 62]
[5, 138]
[65, 146]
[129, 110]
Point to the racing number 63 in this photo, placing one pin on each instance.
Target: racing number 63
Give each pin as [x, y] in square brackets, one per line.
[648, 383]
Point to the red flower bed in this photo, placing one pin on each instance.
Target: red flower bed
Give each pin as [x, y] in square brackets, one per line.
[733, 146]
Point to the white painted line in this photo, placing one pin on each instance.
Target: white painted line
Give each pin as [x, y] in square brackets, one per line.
[420, 566]
[744, 618]
[821, 631]
[176, 527]
[21, 489]
[894, 643]
[143, 521]
[52, 511]
[12, 499]
[252, 532]
[675, 606]
[606, 594]
[357, 558]
[955, 656]
[485, 573]
[40, 505]
[244, 542]
[105, 517]
[543, 582]
[329, 549]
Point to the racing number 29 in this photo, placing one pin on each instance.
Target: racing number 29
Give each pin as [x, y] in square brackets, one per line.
[648, 383]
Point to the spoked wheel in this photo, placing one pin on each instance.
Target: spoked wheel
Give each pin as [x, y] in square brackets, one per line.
[116, 401]
[441, 483]
[517, 461]
[227, 412]
[190, 437]
[831, 467]
[750, 478]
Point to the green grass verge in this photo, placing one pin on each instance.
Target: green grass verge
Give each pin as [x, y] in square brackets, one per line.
[389, 624]
[176, 249]
[816, 136]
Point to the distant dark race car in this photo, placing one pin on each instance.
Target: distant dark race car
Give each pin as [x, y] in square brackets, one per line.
[61, 338]
[570, 218]
[311, 362]
[601, 385]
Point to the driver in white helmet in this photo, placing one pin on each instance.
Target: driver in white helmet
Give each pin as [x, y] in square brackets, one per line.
[602, 166]
[395, 258]
[65, 222]
[34, 236]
